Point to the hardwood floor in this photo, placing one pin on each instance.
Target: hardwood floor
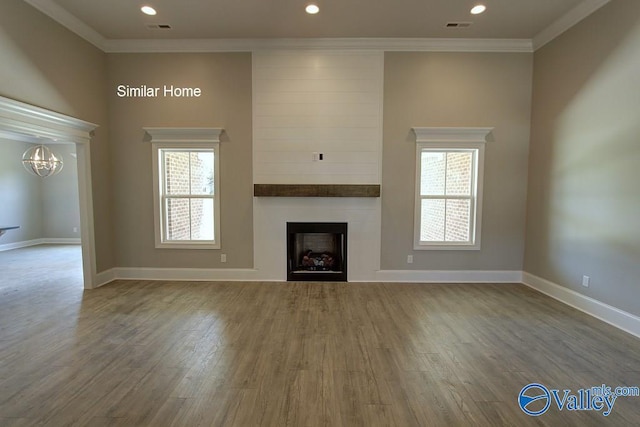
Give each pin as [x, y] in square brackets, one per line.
[142, 353]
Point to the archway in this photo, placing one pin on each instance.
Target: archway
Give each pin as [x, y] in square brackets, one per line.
[27, 123]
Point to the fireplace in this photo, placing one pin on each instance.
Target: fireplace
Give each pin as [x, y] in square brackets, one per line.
[317, 251]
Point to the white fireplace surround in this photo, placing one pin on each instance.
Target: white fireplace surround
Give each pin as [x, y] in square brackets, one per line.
[308, 103]
[271, 215]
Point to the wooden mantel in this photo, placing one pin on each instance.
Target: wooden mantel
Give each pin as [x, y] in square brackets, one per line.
[316, 190]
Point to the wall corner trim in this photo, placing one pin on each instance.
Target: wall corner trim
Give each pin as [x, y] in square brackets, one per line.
[607, 313]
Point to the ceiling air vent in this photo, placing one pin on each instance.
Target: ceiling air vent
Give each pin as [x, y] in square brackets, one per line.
[458, 24]
[159, 26]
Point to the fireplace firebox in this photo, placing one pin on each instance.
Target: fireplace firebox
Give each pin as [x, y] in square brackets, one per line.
[317, 251]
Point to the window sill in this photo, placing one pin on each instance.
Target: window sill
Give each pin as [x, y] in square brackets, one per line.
[436, 247]
[189, 245]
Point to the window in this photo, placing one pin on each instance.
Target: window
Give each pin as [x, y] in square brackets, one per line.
[186, 188]
[448, 187]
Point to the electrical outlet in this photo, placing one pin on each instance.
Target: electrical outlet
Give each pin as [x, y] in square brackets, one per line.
[409, 259]
[223, 257]
[585, 281]
[75, 229]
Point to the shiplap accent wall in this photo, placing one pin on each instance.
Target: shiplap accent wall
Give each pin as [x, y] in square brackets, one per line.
[307, 102]
[323, 102]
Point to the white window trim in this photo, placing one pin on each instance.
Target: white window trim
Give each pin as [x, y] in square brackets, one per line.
[438, 138]
[184, 139]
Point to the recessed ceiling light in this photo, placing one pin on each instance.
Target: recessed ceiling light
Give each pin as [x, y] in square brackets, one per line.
[478, 9]
[148, 10]
[312, 9]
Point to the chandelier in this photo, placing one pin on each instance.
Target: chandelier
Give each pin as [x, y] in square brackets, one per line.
[40, 160]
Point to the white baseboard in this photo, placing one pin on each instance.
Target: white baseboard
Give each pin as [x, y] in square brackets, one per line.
[242, 274]
[445, 276]
[61, 241]
[181, 274]
[104, 277]
[18, 245]
[36, 242]
[607, 313]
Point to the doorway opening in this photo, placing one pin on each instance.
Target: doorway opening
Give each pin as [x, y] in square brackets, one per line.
[29, 124]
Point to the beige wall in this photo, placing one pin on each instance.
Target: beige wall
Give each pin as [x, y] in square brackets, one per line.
[20, 195]
[60, 197]
[457, 89]
[42, 207]
[225, 81]
[584, 202]
[44, 64]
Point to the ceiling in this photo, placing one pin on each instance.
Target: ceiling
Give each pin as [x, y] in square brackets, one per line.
[115, 20]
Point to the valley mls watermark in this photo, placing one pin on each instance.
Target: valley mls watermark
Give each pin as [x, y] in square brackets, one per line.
[536, 399]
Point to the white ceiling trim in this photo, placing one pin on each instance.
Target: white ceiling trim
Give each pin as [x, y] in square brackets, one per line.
[62, 16]
[568, 20]
[59, 14]
[385, 44]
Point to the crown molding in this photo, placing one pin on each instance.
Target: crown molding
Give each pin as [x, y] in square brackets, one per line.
[378, 44]
[59, 14]
[28, 123]
[180, 134]
[449, 134]
[566, 21]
